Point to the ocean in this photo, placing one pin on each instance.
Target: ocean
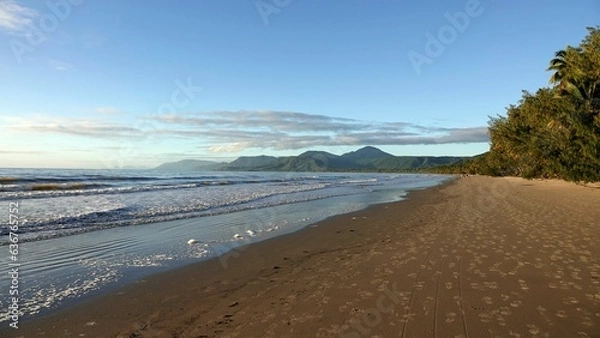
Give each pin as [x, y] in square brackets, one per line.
[73, 234]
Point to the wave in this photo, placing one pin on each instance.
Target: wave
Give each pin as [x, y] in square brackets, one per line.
[119, 216]
[371, 180]
[60, 209]
[83, 189]
[66, 179]
[46, 191]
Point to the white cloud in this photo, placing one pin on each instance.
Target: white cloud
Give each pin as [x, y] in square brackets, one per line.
[97, 128]
[229, 148]
[14, 18]
[261, 119]
[231, 132]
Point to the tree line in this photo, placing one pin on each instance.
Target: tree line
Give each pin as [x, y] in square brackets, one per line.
[553, 133]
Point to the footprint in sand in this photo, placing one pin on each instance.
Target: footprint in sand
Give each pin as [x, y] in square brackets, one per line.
[561, 314]
[365, 294]
[450, 317]
[575, 286]
[516, 303]
[505, 311]
[523, 285]
[587, 321]
[533, 329]
[477, 286]
[448, 285]
[491, 285]
[584, 311]
[377, 281]
[487, 300]
[485, 317]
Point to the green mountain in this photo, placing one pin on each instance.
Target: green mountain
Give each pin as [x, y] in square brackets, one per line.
[370, 158]
[366, 153]
[250, 163]
[325, 160]
[364, 159]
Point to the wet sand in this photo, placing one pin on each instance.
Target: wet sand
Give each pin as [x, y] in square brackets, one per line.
[478, 257]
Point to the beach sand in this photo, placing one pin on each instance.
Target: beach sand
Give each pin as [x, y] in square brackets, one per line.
[477, 257]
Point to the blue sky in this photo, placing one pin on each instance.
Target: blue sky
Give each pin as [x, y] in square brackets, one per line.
[111, 84]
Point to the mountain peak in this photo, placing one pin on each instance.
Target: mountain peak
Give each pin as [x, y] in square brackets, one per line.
[367, 152]
[312, 153]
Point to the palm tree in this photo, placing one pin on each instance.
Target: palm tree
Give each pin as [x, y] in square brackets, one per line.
[567, 75]
[570, 79]
[559, 66]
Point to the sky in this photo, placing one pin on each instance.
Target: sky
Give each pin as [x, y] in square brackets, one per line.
[133, 84]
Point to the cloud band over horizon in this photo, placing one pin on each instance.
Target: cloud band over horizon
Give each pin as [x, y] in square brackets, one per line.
[236, 131]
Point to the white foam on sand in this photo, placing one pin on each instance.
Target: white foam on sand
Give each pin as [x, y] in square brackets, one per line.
[45, 298]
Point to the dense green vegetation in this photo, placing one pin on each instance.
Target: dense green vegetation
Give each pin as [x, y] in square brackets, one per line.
[553, 133]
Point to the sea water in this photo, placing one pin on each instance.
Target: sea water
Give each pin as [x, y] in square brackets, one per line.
[83, 232]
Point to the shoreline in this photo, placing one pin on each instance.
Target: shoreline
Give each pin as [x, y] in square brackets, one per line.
[66, 270]
[363, 273]
[210, 265]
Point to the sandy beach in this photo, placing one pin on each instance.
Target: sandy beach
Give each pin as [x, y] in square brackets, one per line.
[477, 257]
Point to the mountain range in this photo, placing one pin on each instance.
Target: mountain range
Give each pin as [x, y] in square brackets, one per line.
[364, 159]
